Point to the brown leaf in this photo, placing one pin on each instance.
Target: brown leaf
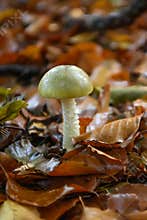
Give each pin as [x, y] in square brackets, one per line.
[56, 210]
[54, 182]
[123, 203]
[137, 215]
[41, 198]
[88, 161]
[117, 131]
[139, 190]
[7, 162]
[7, 58]
[113, 150]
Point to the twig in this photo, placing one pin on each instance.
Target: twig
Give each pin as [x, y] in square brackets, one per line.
[124, 17]
[18, 69]
[23, 73]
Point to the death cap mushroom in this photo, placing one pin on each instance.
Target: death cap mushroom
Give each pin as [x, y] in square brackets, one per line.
[65, 81]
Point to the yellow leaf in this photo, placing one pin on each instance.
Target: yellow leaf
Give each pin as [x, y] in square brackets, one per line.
[11, 210]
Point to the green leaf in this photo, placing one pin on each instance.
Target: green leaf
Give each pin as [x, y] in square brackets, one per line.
[4, 92]
[11, 110]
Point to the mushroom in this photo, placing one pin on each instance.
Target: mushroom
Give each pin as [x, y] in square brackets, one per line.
[66, 82]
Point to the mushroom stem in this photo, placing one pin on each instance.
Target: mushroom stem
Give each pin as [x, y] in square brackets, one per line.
[71, 126]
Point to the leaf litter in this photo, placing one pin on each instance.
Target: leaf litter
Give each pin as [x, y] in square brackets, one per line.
[105, 174]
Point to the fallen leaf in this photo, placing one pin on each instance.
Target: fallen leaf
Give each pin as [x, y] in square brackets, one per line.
[103, 72]
[117, 131]
[40, 198]
[139, 190]
[137, 215]
[88, 161]
[7, 162]
[84, 122]
[123, 203]
[11, 210]
[56, 210]
[10, 110]
[92, 213]
[81, 53]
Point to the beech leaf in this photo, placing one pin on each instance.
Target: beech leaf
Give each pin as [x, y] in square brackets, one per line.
[88, 161]
[39, 198]
[57, 209]
[92, 213]
[139, 190]
[11, 210]
[117, 131]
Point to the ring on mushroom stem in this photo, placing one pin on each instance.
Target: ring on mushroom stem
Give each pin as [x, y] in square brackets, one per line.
[66, 82]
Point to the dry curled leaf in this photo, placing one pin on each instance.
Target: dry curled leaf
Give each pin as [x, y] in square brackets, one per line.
[45, 197]
[117, 131]
[41, 198]
[87, 161]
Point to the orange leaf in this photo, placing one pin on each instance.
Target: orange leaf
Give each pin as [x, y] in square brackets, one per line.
[82, 53]
[84, 123]
[88, 161]
[40, 198]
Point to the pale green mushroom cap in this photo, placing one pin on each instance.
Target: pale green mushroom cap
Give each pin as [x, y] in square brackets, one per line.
[65, 81]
